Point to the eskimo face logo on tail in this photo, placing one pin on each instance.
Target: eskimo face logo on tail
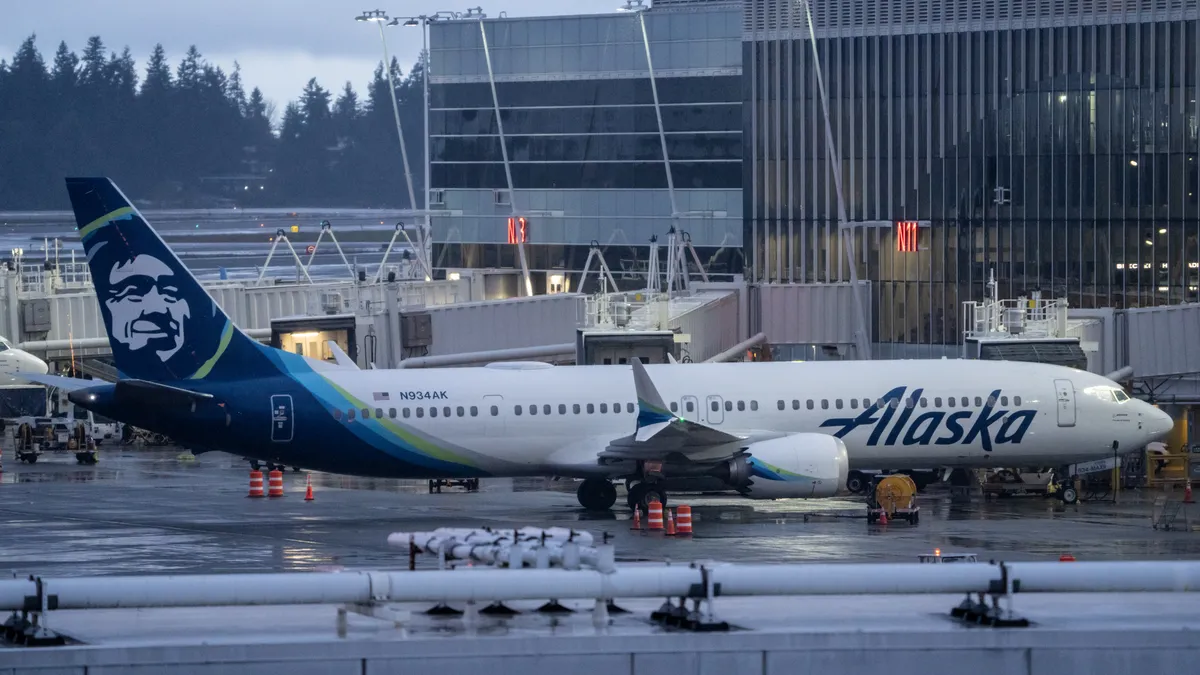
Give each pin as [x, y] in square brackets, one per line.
[157, 328]
[892, 422]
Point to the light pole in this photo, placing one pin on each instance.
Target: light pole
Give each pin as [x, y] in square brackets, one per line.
[380, 17]
[423, 20]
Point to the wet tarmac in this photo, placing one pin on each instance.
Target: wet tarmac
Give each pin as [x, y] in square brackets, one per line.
[147, 511]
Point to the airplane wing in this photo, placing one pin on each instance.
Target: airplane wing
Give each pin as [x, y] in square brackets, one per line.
[661, 432]
[343, 359]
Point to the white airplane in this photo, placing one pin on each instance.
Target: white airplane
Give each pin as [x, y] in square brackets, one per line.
[18, 361]
[767, 430]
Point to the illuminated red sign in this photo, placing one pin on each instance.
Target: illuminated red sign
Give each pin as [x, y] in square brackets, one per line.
[906, 236]
[518, 231]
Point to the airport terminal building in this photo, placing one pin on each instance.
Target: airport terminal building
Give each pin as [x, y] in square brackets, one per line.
[1053, 143]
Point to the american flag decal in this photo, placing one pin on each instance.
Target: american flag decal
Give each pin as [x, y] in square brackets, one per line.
[381, 396]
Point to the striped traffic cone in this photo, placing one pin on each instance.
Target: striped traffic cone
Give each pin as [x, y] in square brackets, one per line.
[256, 485]
[308, 495]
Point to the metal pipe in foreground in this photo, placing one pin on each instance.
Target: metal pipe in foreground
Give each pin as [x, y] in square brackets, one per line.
[486, 585]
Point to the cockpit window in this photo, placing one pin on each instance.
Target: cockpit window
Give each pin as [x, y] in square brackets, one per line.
[1119, 396]
[3, 346]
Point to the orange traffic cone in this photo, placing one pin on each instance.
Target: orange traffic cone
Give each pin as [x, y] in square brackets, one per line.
[308, 495]
[685, 521]
[883, 517]
[275, 484]
[1187, 493]
[256, 485]
[670, 523]
[1066, 557]
[637, 518]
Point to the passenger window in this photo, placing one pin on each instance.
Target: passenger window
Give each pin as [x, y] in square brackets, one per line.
[674, 407]
[795, 404]
[616, 407]
[406, 413]
[991, 401]
[978, 402]
[966, 402]
[366, 413]
[924, 402]
[420, 412]
[716, 407]
[728, 406]
[350, 414]
[474, 411]
[433, 411]
[866, 403]
[810, 404]
[533, 410]
[1003, 400]
[688, 406]
[516, 410]
[603, 407]
[895, 403]
[754, 405]
[446, 411]
[575, 408]
[781, 405]
[824, 404]
[546, 409]
[950, 401]
[337, 413]
[854, 403]
[460, 411]
[562, 408]
[392, 413]
[937, 401]
[741, 406]
[495, 411]
[838, 404]
[629, 407]
[591, 408]
[1017, 400]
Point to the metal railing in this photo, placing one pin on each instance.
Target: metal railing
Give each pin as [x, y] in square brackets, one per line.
[1023, 317]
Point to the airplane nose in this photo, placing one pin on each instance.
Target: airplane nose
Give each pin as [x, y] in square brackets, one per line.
[1159, 423]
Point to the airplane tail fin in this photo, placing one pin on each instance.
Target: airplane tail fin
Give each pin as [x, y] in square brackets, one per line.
[162, 325]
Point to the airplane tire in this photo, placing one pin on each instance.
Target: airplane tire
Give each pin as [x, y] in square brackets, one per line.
[643, 493]
[596, 494]
[1069, 495]
[856, 482]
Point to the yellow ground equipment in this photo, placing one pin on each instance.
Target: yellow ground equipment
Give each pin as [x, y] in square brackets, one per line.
[895, 495]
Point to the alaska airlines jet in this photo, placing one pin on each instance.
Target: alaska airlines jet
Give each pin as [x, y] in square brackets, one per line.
[767, 430]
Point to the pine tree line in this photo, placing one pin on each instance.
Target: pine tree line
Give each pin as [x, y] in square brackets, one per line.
[193, 137]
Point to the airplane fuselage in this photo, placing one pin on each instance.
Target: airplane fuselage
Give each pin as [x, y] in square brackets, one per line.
[466, 422]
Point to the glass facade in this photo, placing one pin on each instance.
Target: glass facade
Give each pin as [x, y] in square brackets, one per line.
[1053, 143]
[582, 137]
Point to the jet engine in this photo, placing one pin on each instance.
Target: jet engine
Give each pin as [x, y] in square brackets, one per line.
[794, 466]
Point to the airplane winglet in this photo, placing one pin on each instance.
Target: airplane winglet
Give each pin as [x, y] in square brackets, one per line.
[343, 359]
[652, 411]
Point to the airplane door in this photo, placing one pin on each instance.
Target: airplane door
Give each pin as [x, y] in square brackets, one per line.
[1065, 395]
[493, 425]
[713, 409]
[282, 421]
[689, 408]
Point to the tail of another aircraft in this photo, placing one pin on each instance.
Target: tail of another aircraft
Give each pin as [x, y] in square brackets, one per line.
[162, 325]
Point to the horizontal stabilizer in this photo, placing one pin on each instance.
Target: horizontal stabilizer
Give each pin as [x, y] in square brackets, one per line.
[64, 383]
[155, 395]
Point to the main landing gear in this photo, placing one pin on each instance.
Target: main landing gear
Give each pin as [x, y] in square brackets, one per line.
[599, 494]
[596, 494]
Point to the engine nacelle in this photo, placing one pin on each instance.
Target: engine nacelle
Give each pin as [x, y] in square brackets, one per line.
[794, 466]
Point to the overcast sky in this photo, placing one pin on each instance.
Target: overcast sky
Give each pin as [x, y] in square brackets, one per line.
[279, 43]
